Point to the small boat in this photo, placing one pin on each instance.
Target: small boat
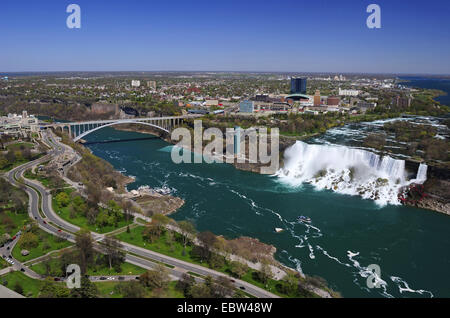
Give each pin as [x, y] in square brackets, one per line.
[278, 230]
[304, 219]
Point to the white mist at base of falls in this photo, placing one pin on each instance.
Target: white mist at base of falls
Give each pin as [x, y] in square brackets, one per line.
[348, 171]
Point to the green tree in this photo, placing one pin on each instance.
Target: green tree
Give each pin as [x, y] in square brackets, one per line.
[131, 289]
[85, 248]
[87, 290]
[238, 269]
[187, 231]
[157, 278]
[62, 199]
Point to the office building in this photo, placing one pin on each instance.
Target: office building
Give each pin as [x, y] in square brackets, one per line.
[298, 85]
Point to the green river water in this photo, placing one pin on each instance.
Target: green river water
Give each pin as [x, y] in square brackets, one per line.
[348, 233]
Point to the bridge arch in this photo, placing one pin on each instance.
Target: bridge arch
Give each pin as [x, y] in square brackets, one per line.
[84, 134]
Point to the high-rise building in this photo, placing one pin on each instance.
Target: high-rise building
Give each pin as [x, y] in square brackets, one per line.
[317, 101]
[135, 83]
[298, 85]
[247, 106]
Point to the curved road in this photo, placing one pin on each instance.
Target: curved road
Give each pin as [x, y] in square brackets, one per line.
[53, 224]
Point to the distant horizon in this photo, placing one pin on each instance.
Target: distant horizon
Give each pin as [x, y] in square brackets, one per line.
[221, 71]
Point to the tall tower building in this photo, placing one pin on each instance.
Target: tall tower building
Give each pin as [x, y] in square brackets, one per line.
[317, 98]
[298, 85]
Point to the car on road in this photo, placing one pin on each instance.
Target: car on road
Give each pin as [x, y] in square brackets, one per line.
[102, 278]
[242, 287]
[22, 270]
[121, 278]
[44, 222]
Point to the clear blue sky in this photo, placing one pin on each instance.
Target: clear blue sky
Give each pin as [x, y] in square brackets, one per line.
[228, 35]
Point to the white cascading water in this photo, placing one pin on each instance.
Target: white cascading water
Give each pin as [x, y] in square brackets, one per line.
[347, 171]
[422, 173]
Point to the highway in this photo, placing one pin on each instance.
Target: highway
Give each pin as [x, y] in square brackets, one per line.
[50, 222]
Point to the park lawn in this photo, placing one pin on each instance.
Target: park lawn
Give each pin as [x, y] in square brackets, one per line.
[19, 220]
[13, 165]
[47, 243]
[18, 145]
[175, 249]
[55, 269]
[3, 263]
[30, 286]
[127, 269]
[82, 222]
[107, 290]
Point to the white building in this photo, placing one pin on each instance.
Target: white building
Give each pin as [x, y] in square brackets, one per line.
[135, 83]
[348, 92]
[14, 123]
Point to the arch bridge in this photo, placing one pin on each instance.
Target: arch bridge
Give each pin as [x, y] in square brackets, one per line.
[79, 130]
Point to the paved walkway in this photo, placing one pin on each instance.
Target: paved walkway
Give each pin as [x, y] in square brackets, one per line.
[8, 293]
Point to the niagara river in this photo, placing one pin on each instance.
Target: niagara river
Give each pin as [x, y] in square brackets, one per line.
[350, 194]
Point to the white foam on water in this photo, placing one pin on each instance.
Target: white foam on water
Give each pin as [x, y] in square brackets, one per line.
[345, 170]
[406, 288]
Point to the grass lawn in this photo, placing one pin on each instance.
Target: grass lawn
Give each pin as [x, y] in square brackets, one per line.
[47, 243]
[19, 220]
[3, 263]
[175, 249]
[82, 222]
[127, 269]
[30, 286]
[56, 271]
[18, 145]
[15, 164]
[107, 290]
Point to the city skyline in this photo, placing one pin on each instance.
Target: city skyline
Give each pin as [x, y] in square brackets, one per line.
[324, 37]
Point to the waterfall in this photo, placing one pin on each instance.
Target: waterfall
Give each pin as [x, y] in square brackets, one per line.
[346, 170]
[422, 174]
